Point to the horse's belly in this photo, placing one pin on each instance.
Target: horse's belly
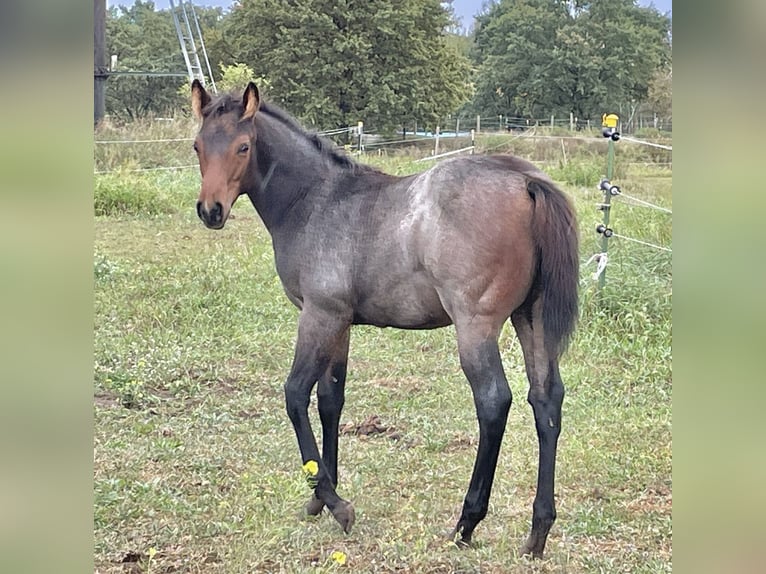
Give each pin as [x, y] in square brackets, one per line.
[404, 306]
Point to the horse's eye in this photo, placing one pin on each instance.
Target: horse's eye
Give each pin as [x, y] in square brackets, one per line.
[243, 148]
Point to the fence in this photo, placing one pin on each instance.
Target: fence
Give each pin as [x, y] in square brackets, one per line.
[612, 191]
[428, 145]
[500, 122]
[155, 152]
[158, 153]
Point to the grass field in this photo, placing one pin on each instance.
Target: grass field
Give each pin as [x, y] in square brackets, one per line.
[196, 467]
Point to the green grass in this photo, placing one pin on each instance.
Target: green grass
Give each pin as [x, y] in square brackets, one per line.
[196, 464]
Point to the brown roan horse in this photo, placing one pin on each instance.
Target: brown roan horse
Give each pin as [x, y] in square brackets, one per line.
[470, 242]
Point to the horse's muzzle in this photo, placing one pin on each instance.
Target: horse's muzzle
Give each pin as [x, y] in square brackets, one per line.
[212, 218]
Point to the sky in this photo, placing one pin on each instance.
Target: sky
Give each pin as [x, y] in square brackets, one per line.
[465, 9]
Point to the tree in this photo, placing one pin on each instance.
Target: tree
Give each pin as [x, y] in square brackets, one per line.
[538, 57]
[334, 63]
[145, 40]
[661, 92]
[514, 49]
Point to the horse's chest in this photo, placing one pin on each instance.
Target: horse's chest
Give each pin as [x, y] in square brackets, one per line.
[314, 271]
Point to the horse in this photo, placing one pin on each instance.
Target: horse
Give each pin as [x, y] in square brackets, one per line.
[470, 242]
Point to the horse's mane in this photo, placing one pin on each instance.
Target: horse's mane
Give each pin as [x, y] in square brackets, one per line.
[327, 148]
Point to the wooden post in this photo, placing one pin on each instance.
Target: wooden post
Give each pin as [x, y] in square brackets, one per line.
[478, 123]
[552, 121]
[473, 141]
[571, 122]
[360, 129]
[457, 126]
[99, 60]
[436, 144]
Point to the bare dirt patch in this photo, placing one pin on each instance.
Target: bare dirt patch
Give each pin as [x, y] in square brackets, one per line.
[106, 400]
[461, 441]
[370, 426]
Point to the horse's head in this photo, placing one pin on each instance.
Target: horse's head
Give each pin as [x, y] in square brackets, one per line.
[224, 146]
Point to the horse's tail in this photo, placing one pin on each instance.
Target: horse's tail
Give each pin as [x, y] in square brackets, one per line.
[555, 230]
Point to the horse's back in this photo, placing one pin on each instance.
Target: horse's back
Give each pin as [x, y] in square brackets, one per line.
[419, 252]
[465, 226]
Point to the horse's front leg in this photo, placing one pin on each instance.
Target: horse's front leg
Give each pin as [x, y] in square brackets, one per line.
[331, 396]
[320, 335]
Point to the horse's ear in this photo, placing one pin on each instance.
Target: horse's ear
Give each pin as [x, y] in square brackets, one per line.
[250, 101]
[200, 98]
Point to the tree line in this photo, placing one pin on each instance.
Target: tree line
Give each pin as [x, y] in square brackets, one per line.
[396, 64]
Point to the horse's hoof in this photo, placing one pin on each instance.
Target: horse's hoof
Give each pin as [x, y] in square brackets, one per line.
[314, 506]
[531, 548]
[345, 515]
[457, 538]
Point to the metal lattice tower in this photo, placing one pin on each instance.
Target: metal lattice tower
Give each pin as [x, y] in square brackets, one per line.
[190, 39]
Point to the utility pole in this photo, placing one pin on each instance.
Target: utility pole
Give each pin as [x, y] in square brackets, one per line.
[99, 60]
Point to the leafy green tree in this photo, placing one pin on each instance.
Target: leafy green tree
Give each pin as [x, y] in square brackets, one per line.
[661, 92]
[145, 40]
[236, 77]
[629, 43]
[334, 63]
[514, 49]
[538, 57]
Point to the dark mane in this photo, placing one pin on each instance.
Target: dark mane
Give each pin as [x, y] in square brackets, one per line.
[230, 102]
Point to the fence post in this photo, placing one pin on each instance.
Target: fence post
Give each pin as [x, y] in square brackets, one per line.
[473, 142]
[457, 126]
[571, 122]
[609, 121]
[552, 121]
[436, 143]
[478, 123]
[360, 129]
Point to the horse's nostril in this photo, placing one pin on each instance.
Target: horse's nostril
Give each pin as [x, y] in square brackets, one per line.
[211, 216]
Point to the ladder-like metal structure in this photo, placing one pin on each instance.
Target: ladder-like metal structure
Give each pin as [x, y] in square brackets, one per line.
[190, 39]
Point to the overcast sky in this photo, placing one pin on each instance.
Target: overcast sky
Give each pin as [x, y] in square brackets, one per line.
[465, 8]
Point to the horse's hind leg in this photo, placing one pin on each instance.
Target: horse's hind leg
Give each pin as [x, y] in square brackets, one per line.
[480, 360]
[546, 394]
[330, 398]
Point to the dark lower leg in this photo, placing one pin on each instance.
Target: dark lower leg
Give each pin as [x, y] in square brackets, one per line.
[322, 341]
[476, 500]
[547, 411]
[330, 395]
[324, 487]
[492, 398]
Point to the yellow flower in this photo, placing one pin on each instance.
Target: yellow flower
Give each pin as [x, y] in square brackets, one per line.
[311, 468]
[310, 471]
[339, 557]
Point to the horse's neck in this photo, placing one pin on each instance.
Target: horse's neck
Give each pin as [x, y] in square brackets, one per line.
[292, 177]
